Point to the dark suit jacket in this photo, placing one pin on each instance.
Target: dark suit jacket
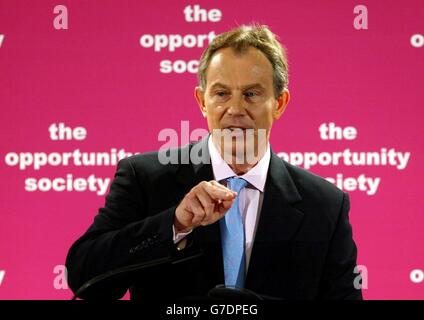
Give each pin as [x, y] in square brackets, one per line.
[303, 248]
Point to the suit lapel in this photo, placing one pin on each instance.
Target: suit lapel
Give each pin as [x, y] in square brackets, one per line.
[279, 220]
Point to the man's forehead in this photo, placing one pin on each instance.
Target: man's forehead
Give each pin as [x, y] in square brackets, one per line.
[250, 68]
[260, 79]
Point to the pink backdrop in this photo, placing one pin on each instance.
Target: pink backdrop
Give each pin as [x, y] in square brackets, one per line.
[96, 75]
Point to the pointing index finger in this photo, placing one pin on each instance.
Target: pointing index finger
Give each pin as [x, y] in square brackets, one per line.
[219, 192]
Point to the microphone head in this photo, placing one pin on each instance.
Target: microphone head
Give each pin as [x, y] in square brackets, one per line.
[222, 292]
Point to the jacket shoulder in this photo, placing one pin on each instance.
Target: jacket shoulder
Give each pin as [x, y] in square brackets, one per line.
[315, 190]
[305, 178]
[154, 164]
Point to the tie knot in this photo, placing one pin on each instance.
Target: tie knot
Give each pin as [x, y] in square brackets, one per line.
[236, 184]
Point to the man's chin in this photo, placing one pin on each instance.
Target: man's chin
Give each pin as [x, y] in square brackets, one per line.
[237, 155]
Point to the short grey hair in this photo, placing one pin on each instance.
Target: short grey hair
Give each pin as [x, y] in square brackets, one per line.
[240, 39]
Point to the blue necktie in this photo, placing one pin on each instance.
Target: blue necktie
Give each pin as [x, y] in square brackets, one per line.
[232, 239]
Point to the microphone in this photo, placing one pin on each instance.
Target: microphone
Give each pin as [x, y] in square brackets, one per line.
[222, 292]
[128, 269]
[230, 293]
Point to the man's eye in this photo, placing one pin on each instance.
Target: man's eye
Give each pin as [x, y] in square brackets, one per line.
[221, 93]
[250, 94]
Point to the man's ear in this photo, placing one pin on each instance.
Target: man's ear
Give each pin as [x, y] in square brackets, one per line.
[200, 98]
[281, 103]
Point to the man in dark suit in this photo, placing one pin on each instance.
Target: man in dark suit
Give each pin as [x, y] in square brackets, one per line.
[225, 212]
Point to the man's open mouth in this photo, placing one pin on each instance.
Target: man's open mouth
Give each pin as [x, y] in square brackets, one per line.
[237, 128]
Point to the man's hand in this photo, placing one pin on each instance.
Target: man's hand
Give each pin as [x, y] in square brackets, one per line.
[203, 205]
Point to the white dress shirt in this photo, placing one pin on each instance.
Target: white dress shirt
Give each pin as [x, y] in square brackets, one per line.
[250, 197]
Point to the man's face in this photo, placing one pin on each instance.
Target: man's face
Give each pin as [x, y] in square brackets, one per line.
[239, 95]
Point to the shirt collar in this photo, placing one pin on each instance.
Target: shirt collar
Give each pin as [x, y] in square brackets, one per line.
[255, 176]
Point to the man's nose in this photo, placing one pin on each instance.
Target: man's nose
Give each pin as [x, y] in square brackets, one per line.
[237, 105]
